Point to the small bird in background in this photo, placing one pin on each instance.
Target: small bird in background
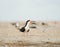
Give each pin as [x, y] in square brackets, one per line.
[17, 24]
[26, 26]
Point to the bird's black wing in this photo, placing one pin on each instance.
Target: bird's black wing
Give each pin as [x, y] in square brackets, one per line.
[22, 29]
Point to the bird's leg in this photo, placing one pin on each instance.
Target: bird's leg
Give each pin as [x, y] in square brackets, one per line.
[28, 30]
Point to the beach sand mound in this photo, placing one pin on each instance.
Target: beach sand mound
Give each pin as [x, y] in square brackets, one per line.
[41, 36]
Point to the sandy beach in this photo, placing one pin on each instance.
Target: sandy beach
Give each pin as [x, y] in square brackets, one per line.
[47, 35]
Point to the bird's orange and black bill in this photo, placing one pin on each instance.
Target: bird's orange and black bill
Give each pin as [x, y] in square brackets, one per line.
[30, 22]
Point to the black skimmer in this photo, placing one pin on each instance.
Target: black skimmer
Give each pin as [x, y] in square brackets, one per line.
[26, 27]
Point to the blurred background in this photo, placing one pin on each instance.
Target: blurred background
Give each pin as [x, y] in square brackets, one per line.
[19, 10]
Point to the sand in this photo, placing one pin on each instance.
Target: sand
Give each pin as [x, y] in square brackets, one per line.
[43, 36]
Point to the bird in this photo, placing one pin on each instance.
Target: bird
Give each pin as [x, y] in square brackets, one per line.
[26, 26]
[17, 24]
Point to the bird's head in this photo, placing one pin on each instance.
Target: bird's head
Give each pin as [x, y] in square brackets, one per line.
[29, 21]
